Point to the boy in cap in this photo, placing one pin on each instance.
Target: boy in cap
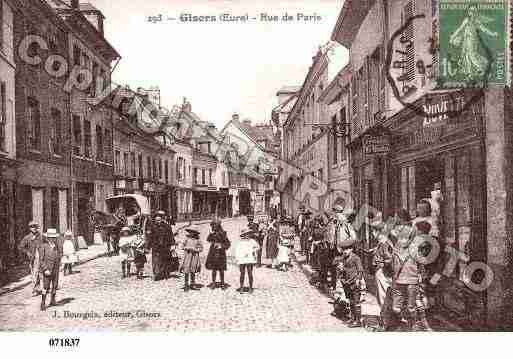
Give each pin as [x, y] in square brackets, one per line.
[50, 254]
[351, 275]
[191, 263]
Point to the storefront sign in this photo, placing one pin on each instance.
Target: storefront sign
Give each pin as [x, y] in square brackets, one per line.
[439, 108]
[121, 184]
[376, 145]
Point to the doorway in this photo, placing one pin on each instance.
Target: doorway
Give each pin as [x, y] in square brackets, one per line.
[429, 173]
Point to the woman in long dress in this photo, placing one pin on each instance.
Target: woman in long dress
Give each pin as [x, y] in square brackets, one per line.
[273, 237]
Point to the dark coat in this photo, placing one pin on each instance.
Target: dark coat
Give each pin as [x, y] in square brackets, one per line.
[30, 244]
[50, 258]
[216, 258]
[161, 239]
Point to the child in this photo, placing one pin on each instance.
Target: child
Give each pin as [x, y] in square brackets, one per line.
[139, 256]
[351, 270]
[126, 252]
[245, 256]
[191, 263]
[69, 256]
[407, 272]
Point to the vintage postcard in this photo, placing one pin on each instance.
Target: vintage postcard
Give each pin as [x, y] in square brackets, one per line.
[255, 166]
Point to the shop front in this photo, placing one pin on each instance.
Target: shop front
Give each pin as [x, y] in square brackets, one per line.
[155, 192]
[441, 158]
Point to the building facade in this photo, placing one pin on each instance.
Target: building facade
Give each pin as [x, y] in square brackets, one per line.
[43, 191]
[336, 98]
[7, 134]
[306, 143]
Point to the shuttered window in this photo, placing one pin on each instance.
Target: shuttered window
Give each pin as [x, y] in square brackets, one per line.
[408, 41]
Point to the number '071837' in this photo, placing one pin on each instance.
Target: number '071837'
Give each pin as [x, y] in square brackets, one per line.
[64, 342]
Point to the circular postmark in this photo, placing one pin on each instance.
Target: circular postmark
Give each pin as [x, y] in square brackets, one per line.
[462, 97]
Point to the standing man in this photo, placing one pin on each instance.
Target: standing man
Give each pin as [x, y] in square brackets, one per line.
[161, 240]
[29, 247]
[50, 254]
[341, 232]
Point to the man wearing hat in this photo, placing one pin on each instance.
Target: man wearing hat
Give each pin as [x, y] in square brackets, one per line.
[28, 246]
[216, 258]
[191, 263]
[161, 239]
[50, 254]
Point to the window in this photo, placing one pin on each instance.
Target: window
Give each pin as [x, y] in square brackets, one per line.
[160, 168]
[125, 163]
[87, 139]
[210, 179]
[148, 165]
[54, 208]
[320, 174]
[1, 32]
[99, 144]
[140, 160]
[76, 55]
[117, 159]
[132, 161]
[179, 168]
[343, 123]
[55, 132]
[94, 82]
[196, 176]
[77, 135]
[155, 169]
[203, 176]
[3, 112]
[166, 171]
[34, 125]
[107, 139]
[209, 148]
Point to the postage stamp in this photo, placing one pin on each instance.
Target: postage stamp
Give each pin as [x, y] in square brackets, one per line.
[473, 42]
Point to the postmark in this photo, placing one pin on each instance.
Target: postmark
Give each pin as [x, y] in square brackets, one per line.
[472, 58]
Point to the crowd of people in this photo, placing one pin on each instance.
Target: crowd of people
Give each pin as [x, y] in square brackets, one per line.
[329, 242]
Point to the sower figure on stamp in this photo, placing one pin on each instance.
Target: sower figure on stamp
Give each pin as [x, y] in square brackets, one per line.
[216, 258]
[50, 254]
[29, 247]
[191, 263]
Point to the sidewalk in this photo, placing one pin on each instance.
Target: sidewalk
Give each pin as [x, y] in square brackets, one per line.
[19, 277]
[370, 307]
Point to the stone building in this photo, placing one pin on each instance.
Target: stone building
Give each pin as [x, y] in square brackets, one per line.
[336, 98]
[7, 133]
[43, 188]
[306, 144]
[458, 153]
[91, 57]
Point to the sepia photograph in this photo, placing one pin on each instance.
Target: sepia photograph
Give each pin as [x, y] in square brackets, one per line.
[236, 167]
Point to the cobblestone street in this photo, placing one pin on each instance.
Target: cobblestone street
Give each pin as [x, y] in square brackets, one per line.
[282, 301]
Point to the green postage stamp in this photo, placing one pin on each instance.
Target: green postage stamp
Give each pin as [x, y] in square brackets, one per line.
[473, 42]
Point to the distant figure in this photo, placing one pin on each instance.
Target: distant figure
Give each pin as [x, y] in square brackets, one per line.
[245, 256]
[29, 246]
[69, 255]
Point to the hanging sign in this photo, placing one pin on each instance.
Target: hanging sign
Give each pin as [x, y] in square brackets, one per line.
[376, 145]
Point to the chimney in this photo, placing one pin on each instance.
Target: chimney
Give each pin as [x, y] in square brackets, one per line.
[235, 117]
[186, 106]
[75, 4]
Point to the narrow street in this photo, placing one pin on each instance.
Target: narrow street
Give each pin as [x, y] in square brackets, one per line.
[282, 301]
